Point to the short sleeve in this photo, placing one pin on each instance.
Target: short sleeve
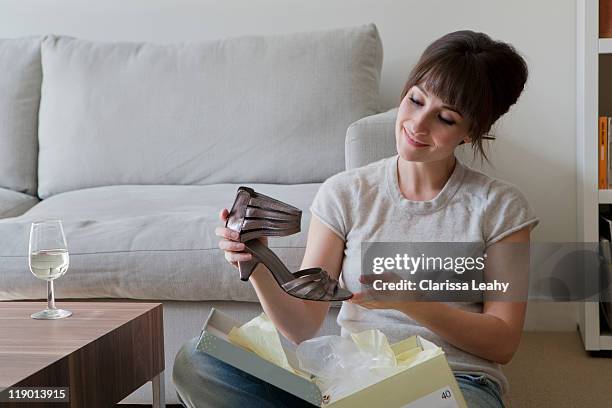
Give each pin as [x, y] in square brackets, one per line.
[506, 212]
[332, 203]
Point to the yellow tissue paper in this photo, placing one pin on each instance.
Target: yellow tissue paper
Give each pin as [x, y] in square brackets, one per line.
[406, 357]
[379, 358]
[260, 336]
[374, 342]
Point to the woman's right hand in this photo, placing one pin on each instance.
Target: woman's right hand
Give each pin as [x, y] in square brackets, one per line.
[230, 242]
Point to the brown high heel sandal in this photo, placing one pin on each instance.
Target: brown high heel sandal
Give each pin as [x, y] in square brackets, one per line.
[255, 215]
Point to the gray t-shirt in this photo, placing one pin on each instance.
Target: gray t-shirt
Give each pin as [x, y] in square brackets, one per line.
[366, 205]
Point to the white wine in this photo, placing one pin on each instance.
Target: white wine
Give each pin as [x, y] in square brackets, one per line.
[49, 264]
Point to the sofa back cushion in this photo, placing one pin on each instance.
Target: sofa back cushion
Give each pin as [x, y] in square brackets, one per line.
[20, 79]
[252, 109]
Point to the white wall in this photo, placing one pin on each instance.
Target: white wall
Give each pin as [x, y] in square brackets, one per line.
[536, 142]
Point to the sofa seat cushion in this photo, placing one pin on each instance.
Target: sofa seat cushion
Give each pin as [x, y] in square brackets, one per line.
[143, 242]
[13, 203]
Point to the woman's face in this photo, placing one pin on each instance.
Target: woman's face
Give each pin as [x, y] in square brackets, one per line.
[426, 128]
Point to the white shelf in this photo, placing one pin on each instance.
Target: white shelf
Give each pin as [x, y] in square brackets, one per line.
[589, 48]
[605, 196]
[605, 341]
[605, 45]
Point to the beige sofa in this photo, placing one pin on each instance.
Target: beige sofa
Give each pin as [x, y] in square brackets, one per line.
[137, 146]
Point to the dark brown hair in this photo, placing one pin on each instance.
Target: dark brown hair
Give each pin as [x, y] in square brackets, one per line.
[481, 77]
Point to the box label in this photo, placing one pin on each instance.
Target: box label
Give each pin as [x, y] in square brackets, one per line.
[442, 398]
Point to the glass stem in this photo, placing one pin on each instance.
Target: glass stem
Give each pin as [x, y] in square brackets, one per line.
[50, 296]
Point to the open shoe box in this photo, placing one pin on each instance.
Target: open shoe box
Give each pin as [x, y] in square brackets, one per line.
[428, 384]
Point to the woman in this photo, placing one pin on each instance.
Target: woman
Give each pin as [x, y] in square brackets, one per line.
[460, 86]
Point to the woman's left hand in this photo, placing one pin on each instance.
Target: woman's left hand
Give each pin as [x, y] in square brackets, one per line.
[365, 299]
[381, 299]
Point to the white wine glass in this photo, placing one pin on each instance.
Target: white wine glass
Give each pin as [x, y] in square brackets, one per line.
[48, 261]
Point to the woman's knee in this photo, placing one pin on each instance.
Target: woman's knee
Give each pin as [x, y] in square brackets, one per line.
[183, 368]
[198, 377]
[479, 395]
[202, 380]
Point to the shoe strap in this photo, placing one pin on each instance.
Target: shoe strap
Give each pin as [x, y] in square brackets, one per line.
[256, 215]
[313, 284]
[262, 213]
[265, 202]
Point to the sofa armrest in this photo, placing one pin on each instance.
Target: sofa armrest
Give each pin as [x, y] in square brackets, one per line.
[13, 204]
[370, 139]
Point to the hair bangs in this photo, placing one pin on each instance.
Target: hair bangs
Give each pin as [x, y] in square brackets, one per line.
[461, 87]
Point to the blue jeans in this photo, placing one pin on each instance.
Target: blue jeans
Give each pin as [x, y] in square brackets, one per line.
[203, 381]
[479, 391]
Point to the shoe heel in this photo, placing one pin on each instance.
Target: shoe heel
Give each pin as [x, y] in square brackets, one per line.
[246, 268]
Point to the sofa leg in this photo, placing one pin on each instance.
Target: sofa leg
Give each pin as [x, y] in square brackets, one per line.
[159, 391]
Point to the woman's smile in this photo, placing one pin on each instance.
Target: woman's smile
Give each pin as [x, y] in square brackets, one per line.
[411, 139]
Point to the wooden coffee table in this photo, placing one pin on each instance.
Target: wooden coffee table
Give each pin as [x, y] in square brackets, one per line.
[102, 353]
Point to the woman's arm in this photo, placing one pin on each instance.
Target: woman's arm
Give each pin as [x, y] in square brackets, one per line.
[493, 334]
[296, 319]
